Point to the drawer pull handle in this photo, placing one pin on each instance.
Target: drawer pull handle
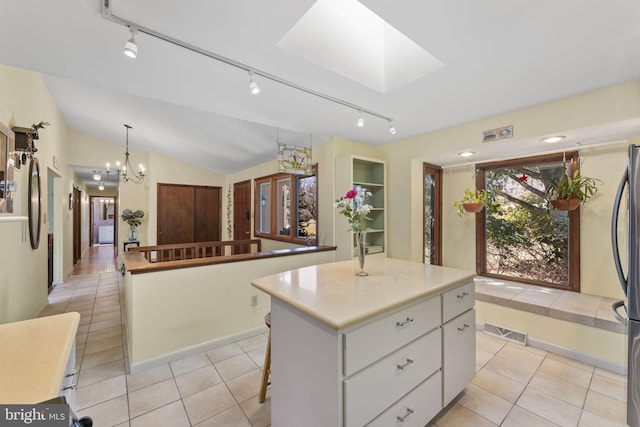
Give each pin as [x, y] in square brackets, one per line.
[404, 322]
[463, 327]
[464, 294]
[409, 412]
[404, 365]
[74, 374]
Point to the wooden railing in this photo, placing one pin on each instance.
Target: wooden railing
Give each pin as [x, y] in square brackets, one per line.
[182, 251]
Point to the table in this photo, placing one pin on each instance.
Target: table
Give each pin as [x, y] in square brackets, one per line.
[130, 242]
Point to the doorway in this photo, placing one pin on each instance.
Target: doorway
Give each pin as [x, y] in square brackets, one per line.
[75, 204]
[242, 210]
[432, 214]
[102, 220]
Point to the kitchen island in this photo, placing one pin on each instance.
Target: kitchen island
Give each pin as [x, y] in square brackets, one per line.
[37, 359]
[391, 348]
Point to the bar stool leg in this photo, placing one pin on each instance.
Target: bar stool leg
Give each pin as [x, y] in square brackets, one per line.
[266, 371]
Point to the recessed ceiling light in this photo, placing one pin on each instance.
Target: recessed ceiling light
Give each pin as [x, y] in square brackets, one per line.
[553, 139]
[466, 153]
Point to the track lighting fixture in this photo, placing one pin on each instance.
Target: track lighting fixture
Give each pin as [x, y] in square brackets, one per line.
[392, 128]
[131, 50]
[254, 87]
[130, 47]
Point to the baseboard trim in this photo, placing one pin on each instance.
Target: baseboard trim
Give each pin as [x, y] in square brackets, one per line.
[571, 354]
[191, 351]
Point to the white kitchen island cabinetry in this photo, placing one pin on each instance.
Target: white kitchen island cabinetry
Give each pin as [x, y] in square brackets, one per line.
[351, 351]
[37, 359]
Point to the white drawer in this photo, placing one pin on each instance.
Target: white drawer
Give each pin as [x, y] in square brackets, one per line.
[459, 355]
[457, 301]
[368, 392]
[375, 340]
[416, 408]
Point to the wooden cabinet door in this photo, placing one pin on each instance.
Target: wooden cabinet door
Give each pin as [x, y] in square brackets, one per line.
[207, 214]
[188, 213]
[175, 214]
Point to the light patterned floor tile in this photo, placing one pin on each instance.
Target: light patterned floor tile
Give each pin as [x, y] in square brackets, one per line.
[592, 420]
[110, 413]
[225, 352]
[207, 403]
[197, 380]
[614, 388]
[152, 397]
[233, 417]
[146, 378]
[498, 384]
[606, 407]
[520, 417]
[101, 373]
[459, 416]
[511, 368]
[190, 363]
[234, 366]
[172, 415]
[549, 407]
[566, 372]
[246, 385]
[563, 390]
[100, 392]
[485, 404]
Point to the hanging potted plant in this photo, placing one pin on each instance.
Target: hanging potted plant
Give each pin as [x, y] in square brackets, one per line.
[474, 201]
[567, 192]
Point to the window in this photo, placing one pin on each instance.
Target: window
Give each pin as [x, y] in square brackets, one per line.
[524, 239]
[286, 207]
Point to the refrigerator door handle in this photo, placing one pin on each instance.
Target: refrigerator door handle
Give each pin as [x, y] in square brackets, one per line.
[614, 231]
[614, 310]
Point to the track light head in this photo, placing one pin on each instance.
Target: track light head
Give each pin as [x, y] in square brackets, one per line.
[254, 87]
[392, 128]
[360, 121]
[130, 47]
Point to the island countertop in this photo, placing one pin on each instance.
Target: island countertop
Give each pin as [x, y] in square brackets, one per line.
[34, 356]
[334, 295]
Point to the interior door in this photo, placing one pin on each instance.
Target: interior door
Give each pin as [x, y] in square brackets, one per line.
[207, 213]
[176, 219]
[432, 214]
[242, 210]
[77, 224]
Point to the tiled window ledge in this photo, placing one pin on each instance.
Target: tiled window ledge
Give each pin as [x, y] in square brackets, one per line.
[588, 310]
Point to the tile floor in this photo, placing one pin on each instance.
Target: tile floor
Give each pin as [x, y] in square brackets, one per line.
[514, 386]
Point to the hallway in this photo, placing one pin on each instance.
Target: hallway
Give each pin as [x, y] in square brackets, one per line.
[515, 385]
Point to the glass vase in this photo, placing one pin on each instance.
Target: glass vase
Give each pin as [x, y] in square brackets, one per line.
[133, 233]
[361, 239]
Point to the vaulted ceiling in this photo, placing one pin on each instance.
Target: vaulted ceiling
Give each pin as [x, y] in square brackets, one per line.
[498, 56]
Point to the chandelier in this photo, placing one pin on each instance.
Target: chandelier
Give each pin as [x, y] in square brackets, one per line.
[125, 172]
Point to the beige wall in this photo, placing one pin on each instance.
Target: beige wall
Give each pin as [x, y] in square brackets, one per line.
[23, 271]
[404, 171]
[209, 306]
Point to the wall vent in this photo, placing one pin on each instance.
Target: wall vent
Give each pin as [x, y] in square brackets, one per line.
[502, 332]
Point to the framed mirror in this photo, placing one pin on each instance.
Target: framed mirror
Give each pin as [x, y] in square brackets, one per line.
[34, 203]
[7, 171]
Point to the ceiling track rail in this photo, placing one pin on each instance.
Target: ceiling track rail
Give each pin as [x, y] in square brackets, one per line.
[106, 13]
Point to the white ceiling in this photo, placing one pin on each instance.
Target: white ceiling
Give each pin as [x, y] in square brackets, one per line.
[499, 55]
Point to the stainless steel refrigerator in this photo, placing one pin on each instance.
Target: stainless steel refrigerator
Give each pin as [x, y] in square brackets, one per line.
[631, 282]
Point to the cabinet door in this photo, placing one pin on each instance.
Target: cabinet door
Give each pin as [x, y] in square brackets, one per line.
[207, 214]
[175, 214]
[459, 356]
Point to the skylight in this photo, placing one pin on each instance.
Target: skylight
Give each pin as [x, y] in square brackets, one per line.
[346, 37]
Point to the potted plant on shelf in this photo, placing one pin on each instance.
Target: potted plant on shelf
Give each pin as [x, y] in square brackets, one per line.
[567, 192]
[474, 201]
